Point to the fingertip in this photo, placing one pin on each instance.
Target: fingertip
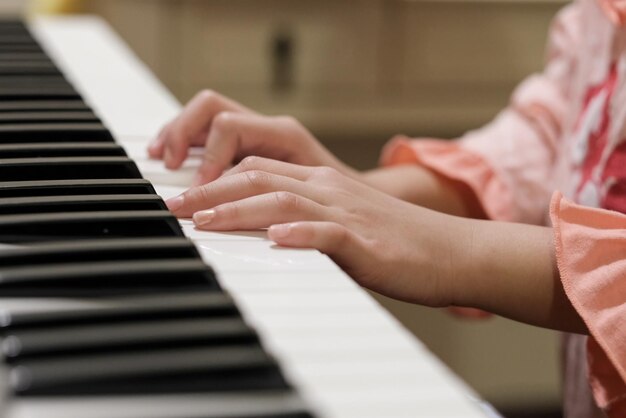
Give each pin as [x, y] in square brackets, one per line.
[279, 232]
[155, 149]
[176, 203]
[291, 234]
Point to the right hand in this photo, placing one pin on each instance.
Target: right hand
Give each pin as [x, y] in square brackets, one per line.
[230, 131]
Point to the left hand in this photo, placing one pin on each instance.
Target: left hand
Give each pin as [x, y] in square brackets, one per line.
[387, 245]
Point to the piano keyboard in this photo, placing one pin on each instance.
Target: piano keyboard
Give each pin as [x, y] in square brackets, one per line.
[100, 339]
[106, 309]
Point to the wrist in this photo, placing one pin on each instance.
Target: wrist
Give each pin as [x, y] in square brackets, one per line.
[465, 258]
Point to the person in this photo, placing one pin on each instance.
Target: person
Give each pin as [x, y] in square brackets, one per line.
[520, 218]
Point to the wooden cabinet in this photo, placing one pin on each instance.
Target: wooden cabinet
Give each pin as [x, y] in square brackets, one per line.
[351, 69]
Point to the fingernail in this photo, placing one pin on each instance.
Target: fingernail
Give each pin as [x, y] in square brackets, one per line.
[175, 203]
[280, 231]
[203, 217]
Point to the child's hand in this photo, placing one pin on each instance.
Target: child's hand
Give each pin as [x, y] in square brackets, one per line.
[392, 247]
[230, 132]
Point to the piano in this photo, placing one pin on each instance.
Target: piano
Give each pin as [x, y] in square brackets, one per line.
[110, 307]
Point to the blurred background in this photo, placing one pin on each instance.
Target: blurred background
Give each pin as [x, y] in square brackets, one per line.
[356, 72]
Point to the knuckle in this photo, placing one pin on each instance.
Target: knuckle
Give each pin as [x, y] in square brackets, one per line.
[338, 238]
[258, 180]
[326, 173]
[207, 95]
[249, 163]
[287, 202]
[203, 193]
[228, 212]
[288, 120]
[340, 235]
[223, 120]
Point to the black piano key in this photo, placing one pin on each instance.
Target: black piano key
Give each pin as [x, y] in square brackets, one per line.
[23, 56]
[26, 80]
[246, 404]
[28, 68]
[61, 149]
[38, 92]
[17, 39]
[20, 48]
[105, 279]
[60, 132]
[98, 250]
[132, 335]
[42, 105]
[15, 24]
[47, 117]
[75, 187]
[137, 308]
[67, 168]
[180, 370]
[21, 229]
[67, 204]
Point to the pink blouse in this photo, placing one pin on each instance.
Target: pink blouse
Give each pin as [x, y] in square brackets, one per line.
[563, 134]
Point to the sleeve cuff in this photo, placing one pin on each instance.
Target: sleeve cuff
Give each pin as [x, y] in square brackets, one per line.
[452, 161]
[590, 250]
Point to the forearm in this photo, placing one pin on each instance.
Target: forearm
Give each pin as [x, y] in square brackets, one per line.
[421, 186]
[510, 269]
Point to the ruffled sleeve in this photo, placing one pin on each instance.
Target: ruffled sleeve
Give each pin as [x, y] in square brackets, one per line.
[450, 160]
[509, 163]
[591, 257]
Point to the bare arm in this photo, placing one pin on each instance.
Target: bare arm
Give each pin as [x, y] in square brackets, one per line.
[510, 269]
[418, 185]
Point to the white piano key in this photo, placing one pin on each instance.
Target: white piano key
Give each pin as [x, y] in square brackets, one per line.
[262, 257]
[156, 172]
[327, 322]
[130, 100]
[337, 302]
[298, 281]
[137, 149]
[167, 191]
[199, 235]
[412, 386]
[351, 407]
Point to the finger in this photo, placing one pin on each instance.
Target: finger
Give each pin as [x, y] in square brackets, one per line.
[157, 146]
[238, 135]
[260, 212]
[331, 238]
[269, 165]
[193, 123]
[238, 187]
